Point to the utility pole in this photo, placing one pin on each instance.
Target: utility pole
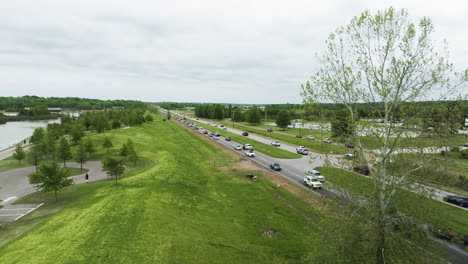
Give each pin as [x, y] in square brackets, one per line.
[265, 114]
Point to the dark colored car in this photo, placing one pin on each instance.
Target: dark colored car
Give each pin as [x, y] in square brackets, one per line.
[245, 134]
[457, 199]
[270, 130]
[362, 169]
[349, 145]
[228, 139]
[217, 134]
[275, 166]
[299, 136]
[205, 132]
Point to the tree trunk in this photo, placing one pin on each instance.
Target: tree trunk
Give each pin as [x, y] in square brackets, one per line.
[81, 166]
[380, 240]
[55, 195]
[64, 163]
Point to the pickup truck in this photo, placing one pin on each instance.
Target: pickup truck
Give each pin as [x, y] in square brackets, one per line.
[312, 182]
[247, 147]
[316, 174]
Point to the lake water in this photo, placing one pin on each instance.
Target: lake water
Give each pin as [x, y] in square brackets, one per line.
[12, 133]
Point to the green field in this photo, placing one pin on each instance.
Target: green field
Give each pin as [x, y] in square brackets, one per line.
[313, 145]
[269, 150]
[180, 210]
[440, 214]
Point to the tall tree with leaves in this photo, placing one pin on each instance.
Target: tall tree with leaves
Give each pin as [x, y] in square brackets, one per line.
[64, 151]
[50, 177]
[114, 167]
[19, 154]
[237, 115]
[283, 120]
[107, 144]
[49, 145]
[80, 154]
[386, 61]
[89, 146]
[253, 116]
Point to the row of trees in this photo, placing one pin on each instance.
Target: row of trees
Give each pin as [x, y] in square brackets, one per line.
[46, 151]
[16, 104]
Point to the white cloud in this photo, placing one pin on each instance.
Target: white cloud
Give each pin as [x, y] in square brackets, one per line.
[242, 51]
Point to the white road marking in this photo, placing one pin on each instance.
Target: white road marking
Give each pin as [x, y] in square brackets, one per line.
[16, 208]
[11, 214]
[10, 198]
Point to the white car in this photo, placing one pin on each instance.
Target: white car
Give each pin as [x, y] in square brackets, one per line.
[312, 182]
[316, 174]
[250, 153]
[275, 143]
[247, 147]
[327, 140]
[350, 155]
[300, 147]
[238, 147]
[311, 137]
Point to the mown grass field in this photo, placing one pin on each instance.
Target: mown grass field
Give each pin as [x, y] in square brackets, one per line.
[180, 210]
[438, 213]
[269, 150]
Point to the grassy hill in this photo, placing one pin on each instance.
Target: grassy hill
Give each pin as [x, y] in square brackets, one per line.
[181, 210]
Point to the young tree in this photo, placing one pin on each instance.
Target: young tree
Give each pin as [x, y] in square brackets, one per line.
[76, 132]
[80, 154]
[50, 177]
[64, 152]
[283, 120]
[89, 146]
[386, 61]
[19, 154]
[253, 116]
[35, 156]
[48, 145]
[107, 144]
[114, 167]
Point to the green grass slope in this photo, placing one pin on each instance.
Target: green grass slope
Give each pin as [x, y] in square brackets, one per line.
[181, 210]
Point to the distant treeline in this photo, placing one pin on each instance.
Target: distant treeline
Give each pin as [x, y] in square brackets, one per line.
[16, 104]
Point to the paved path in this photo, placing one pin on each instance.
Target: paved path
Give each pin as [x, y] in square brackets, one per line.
[9, 151]
[15, 183]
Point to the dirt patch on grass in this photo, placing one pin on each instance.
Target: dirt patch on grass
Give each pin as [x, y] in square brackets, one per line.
[271, 233]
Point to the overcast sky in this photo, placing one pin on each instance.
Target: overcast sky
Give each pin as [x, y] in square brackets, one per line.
[191, 51]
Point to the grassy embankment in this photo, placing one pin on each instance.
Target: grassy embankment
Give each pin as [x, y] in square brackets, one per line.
[438, 213]
[181, 210]
[269, 150]
[313, 145]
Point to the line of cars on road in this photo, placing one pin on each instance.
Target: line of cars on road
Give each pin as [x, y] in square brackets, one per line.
[312, 179]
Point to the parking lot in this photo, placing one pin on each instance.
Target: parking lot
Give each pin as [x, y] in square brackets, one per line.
[11, 213]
